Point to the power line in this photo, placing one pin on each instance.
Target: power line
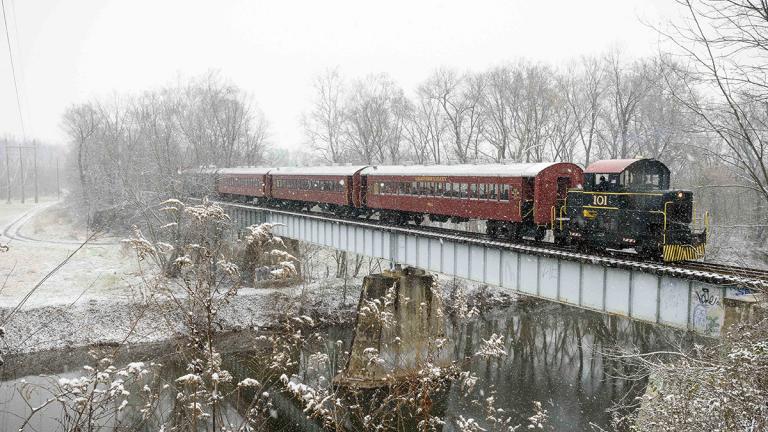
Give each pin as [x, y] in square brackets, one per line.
[13, 71]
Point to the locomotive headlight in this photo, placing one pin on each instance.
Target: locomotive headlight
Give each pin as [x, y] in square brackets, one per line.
[679, 195]
[341, 182]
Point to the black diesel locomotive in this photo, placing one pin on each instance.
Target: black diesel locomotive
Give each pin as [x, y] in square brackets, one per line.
[627, 203]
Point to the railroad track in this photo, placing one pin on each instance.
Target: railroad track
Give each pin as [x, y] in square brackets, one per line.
[12, 231]
[725, 269]
[703, 271]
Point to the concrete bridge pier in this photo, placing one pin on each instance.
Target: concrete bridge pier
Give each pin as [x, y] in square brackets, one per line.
[399, 320]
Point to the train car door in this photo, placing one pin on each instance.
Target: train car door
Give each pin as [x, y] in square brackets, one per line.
[363, 190]
[563, 184]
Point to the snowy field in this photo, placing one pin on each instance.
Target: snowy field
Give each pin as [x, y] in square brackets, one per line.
[40, 237]
[99, 295]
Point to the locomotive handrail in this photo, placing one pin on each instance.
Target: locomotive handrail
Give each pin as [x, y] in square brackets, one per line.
[693, 213]
[697, 223]
[552, 218]
[664, 230]
[562, 210]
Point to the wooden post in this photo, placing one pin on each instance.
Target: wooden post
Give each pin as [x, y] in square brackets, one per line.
[34, 151]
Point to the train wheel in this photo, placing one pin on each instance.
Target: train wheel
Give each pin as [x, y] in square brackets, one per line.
[513, 232]
[561, 237]
[649, 249]
[491, 229]
[581, 245]
[540, 233]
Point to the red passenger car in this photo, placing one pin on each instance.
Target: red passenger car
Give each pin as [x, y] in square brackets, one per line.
[515, 199]
[333, 188]
[243, 183]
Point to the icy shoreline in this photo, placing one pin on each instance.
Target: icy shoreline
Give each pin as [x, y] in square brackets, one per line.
[104, 322]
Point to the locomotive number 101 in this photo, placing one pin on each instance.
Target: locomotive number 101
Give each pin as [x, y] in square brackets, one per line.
[600, 200]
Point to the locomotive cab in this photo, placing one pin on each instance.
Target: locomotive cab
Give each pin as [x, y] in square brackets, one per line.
[627, 203]
[640, 176]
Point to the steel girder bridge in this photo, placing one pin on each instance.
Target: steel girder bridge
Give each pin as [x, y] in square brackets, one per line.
[689, 295]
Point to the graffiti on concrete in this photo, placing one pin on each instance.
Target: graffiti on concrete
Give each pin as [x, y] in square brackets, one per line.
[706, 298]
[707, 314]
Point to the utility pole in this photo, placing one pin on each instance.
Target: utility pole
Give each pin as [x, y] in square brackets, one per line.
[58, 185]
[35, 156]
[8, 170]
[21, 167]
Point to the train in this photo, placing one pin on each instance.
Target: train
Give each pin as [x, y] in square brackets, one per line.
[616, 204]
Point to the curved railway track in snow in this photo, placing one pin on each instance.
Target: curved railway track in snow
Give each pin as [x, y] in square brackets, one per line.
[13, 231]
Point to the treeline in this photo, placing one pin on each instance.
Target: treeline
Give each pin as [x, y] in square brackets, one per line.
[596, 107]
[126, 145]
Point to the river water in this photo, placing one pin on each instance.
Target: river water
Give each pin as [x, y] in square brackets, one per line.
[555, 355]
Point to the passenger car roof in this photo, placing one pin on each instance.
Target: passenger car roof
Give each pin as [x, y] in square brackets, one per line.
[466, 170]
[240, 170]
[339, 170]
[244, 170]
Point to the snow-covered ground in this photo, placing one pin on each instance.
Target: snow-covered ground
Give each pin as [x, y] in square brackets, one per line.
[39, 238]
[99, 295]
[131, 321]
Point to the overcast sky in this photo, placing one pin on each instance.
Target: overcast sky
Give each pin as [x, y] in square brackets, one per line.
[70, 51]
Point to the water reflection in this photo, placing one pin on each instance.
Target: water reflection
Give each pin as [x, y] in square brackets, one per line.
[554, 355]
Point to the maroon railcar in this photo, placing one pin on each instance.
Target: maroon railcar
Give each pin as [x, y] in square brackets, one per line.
[243, 182]
[334, 186]
[509, 196]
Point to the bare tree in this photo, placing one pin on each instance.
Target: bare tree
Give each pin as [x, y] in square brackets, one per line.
[81, 123]
[324, 124]
[425, 129]
[533, 112]
[502, 93]
[220, 124]
[662, 125]
[583, 88]
[726, 42]
[627, 85]
[374, 119]
[562, 132]
[126, 145]
[459, 97]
